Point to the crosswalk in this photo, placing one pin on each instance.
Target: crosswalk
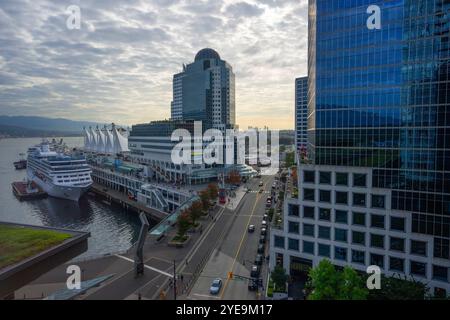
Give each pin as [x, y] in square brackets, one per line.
[257, 191]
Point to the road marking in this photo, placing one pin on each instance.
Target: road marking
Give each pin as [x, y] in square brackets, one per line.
[146, 266]
[205, 296]
[240, 244]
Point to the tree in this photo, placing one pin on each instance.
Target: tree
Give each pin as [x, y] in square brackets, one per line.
[213, 191]
[196, 211]
[294, 177]
[183, 223]
[204, 198]
[397, 288]
[234, 177]
[326, 283]
[279, 278]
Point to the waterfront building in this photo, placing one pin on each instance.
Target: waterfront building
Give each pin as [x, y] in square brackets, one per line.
[377, 189]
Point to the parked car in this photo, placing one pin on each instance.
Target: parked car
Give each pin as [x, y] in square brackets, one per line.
[252, 284]
[259, 259]
[251, 228]
[265, 217]
[261, 190]
[264, 224]
[216, 286]
[261, 183]
[263, 231]
[261, 248]
[254, 273]
[262, 240]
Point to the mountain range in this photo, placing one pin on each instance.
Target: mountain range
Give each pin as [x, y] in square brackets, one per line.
[32, 126]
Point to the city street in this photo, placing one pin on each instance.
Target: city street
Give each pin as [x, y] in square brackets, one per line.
[236, 248]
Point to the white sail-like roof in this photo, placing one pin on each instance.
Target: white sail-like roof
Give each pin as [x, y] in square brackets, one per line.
[87, 140]
[109, 141]
[120, 142]
[93, 140]
[100, 141]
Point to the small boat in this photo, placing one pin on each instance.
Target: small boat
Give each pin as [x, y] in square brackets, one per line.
[21, 164]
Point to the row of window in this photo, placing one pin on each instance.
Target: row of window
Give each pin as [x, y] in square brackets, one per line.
[341, 178]
[359, 257]
[343, 217]
[342, 197]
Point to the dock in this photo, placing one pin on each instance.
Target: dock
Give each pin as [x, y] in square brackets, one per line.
[113, 196]
[27, 191]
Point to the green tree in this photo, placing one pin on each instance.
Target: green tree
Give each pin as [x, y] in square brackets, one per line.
[213, 191]
[183, 223]
[279, 278]
[196, 211]
[397, 288]
[204, 198]
[326, 283]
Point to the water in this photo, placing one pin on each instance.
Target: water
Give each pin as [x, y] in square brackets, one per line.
[111, 228]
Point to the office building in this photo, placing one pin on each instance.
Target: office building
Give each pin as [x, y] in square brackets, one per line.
[301, 113]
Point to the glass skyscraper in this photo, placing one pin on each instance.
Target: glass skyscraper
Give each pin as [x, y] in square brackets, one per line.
[205, 91]
[377, 188]
[301, 112]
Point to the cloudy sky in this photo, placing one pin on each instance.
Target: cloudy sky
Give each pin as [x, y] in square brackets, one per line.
[119, 65]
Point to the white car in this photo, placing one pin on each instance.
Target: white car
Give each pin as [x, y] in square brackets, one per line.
[216, 286]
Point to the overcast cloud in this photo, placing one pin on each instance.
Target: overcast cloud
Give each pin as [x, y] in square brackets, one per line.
[119, 65]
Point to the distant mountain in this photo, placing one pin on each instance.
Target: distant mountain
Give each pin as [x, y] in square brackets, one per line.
[34, 125]
[14, 131]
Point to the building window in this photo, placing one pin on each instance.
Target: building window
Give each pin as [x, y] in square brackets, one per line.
[324, 250]
[294, 227]
[359, 199]
[441, 248]
[324, 214]
[396, 264]
[418, 268]
[325, 177]
[378, 201]
[341, 179]
[341, 197]
[340, 235]
[418, 248]
[308, 230]
[308, 247]
[341, 216]
[377, 221]
[293, 244]
[309, 194]
[358, 257]
[279, 242]
[440, 273]
[377, 241]
[377, 260]
[325, 196]
[293, 210]
[359, 180]
[397, 244]
[398, 224]
[358, 238]
[324, 233]
[359, 219]
[309, 177]
[340, 253]
[308, 212]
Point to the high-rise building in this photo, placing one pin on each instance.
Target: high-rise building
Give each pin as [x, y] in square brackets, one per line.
[378, 189]
[301, 113]
[205, 91]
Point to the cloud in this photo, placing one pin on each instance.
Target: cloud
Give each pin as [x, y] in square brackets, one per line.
[120, 64]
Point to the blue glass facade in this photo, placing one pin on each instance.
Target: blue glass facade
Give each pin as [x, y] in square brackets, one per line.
[380, 99]
[301, 112]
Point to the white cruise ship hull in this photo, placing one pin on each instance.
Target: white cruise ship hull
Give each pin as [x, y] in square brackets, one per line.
[73, 193]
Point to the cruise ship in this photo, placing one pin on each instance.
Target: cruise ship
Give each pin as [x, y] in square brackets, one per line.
[60, 174]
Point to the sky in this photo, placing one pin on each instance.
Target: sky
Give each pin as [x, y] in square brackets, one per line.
[118, 66]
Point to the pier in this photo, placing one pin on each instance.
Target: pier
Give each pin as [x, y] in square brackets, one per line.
[127, 203]
[27, 191]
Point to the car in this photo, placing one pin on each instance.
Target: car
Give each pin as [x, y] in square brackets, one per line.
[251, 228]
[261, 248]
[261, 184]
[262, 240]
[216, 285]
[259, 259]
[265, 217]
[263, 231]
[261, 190]
[264, 224]
[268, 204]
[252, 284]
[254, 273]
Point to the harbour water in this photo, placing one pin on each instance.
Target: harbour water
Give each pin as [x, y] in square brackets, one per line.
[112, 229]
